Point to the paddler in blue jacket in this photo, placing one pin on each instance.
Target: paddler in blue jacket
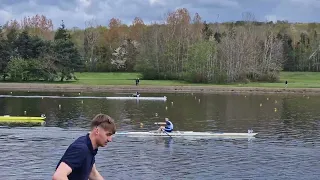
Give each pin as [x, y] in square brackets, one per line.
[136, 94]
[168, 126]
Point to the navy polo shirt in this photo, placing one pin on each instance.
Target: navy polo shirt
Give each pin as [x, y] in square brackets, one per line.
[80, 156]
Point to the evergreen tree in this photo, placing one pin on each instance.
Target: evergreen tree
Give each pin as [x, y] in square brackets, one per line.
[4, 54]
[68, 57]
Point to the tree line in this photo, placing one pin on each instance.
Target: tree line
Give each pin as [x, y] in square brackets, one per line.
[182, 47]
[26, 54]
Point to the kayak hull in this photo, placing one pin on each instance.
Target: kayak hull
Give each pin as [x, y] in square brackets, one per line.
[187, 134]
[8, 118]
[164, 98]
[21, 120]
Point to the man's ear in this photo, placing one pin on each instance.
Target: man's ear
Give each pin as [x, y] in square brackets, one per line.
[96, 130]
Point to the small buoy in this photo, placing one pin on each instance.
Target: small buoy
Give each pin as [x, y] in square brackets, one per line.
[141, 125]
[275, 110]
[260, 104]
[81, 101]
[156, 114]
[166, 108]
[171, 103]
[25, 112]
[79, 93]
[245, 96]
[10, 92]
[59, 106]
[267, 99]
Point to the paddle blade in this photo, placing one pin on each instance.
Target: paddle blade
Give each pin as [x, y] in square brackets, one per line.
[159, 123]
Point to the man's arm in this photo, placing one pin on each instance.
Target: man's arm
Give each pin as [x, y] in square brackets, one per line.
[95, 175]
[72, 159]
[62, 172]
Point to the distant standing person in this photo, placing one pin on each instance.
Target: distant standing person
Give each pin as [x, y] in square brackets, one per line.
[137, 81]
[286, 84]
[78, 161]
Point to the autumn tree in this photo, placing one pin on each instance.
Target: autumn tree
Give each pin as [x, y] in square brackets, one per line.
[115, 34]
[136, 29]
[38, 25]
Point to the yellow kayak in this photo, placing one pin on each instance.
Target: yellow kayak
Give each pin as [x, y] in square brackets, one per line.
[8, 118]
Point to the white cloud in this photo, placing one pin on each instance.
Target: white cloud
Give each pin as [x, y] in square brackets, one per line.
[152, 2]
[5, 16]
[272, 18]
[76, 12]
[84, 3]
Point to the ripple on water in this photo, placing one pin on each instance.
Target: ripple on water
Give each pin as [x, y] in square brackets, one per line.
[287, 146]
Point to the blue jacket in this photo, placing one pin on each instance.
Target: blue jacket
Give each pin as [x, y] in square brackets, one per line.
[169, 126]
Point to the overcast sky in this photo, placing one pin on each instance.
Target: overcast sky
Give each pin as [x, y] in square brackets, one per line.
[76, 12]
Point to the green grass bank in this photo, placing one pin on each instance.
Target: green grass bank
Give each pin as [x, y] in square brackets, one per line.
[300, 82]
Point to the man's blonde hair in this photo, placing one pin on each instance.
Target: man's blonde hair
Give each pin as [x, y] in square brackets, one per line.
[104, 121]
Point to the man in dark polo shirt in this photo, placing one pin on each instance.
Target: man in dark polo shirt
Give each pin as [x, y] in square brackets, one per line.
[78, 162]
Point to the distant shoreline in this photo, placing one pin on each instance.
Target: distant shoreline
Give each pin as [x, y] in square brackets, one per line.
[41, 87]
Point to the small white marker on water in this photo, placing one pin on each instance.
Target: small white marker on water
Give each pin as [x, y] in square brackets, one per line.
[156, 114]
[81, 101]
[25, 112]
[166, 108]
[59, 106]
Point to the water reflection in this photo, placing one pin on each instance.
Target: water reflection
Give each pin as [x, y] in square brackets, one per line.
[288, 139]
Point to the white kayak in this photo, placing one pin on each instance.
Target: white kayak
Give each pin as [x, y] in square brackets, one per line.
[189, 133]
[164, 98]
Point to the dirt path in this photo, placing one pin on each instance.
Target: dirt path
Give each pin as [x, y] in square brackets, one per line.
[39, 87]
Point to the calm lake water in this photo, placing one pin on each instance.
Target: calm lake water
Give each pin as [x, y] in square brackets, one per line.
[287, 146]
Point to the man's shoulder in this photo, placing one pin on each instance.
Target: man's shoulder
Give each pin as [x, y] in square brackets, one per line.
[80, 143]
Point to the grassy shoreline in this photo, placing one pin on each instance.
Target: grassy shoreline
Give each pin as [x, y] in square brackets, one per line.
[298, 82]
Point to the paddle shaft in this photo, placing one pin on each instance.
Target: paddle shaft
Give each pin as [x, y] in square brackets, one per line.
[160, 123]
[166, 133]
